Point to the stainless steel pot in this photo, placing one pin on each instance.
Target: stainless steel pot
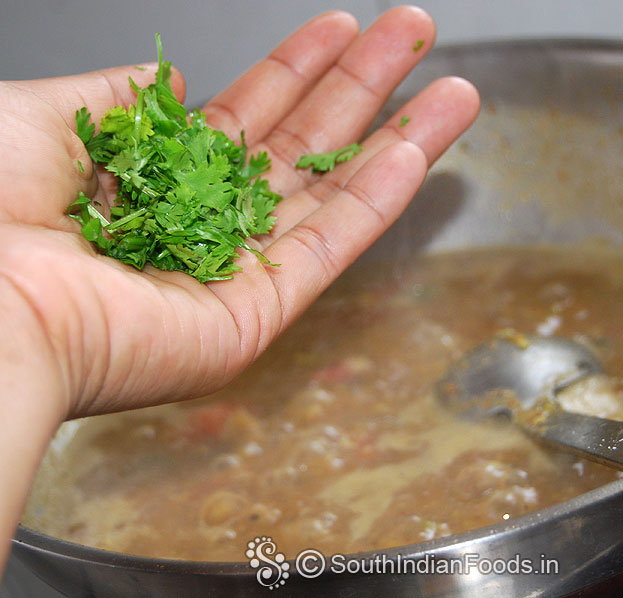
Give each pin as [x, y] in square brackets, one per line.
[543, 164]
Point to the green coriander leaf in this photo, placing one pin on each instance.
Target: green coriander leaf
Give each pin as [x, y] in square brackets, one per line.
[84, 128]
[78, 209]
[92, 231]
[328, 161]
[418, 45]
[127, 126]
[257, 165]
[404, 120]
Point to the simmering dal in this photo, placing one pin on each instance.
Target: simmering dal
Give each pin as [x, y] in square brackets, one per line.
[333, 439]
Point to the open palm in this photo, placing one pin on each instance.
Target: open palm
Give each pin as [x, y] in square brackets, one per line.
[103, 336]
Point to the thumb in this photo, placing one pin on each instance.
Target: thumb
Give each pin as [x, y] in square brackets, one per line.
[98, 91]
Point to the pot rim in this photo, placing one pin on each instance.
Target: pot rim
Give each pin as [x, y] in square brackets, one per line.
[573, 507]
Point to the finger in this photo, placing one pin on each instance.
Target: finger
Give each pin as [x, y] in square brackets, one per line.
[320, 247]
[437, 117]
[40, 159]
[343, 104]
[60, 97]
[98, 91]
[261, 97]
[63, 166]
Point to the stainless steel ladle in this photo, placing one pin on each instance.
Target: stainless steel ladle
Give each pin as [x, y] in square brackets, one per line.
[523, 381]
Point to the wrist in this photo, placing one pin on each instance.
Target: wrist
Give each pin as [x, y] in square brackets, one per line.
[32, 404]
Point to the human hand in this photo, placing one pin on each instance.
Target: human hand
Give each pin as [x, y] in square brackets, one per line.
[103, 336]
[82, 333]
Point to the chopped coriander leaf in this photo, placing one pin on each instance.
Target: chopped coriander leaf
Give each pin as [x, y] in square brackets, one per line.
[187, 198]
[327, 161]
[84, 128]
[418, 45]
[80, 166]
[403, 121]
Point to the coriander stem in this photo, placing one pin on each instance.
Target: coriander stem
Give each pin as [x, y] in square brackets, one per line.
[146, 190]
[123, 221]
[94, 213]
[138, 116]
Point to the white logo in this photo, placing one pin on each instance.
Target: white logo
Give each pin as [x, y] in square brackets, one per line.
[310, 563]
[274, 572]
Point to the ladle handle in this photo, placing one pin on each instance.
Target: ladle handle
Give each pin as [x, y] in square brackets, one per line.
[593, 438]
